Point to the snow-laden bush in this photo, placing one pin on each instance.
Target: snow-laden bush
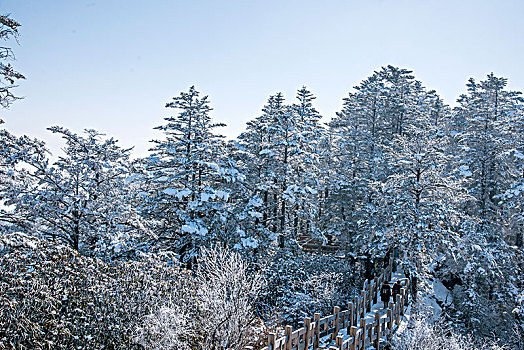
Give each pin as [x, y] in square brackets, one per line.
[169, 327]
[300, 285]
[226, 291]
[422, 333]
[51, 297]
[217, 314]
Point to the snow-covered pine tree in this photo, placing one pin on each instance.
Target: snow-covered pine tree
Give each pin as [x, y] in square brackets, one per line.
[358, 132]
[485, 134]
[186, 178]
[489, 131]
[81, 199]
[281, 153]
[383, 107]
[392, 154]
[308, 187]
[262, 142]
[278, 152]
[254, 192]
[15, 155]
[512, 199]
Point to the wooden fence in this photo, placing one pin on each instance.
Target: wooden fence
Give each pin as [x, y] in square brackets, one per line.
[359, 333]
[312, 245]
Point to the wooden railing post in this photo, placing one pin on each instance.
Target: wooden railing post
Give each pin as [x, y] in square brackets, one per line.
[336, 312]
[390, 316]
[408, 288]
[307, 326]
[375, 291]
[403, 300]
[397, 312]
[316, 318]
[338, 343]
[363, 326]
[351, 311]
[363, 306]
[369, 298]
[353, 333]
[271, 338]
[356, 313]
[370, 332]
[377, 329]
[289, 341]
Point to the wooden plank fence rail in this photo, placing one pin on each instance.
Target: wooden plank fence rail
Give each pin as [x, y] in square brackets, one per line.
[358, 332]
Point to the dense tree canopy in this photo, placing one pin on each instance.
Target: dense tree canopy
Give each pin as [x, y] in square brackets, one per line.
[395, 168]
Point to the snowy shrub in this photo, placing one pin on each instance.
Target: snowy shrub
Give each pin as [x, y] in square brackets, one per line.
[422, 334]
[51, 297]
[300, 285]
[218, 313]
[225, 295]
[324, 289]
[483, 278]
[168, 327]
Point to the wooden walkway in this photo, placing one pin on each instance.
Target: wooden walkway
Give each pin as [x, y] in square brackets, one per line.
[314, 245]
[364, 323]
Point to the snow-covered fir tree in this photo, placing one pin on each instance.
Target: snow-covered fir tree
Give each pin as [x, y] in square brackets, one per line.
[81, 199]
[486, 133]
[15, 177]
[282, 149]
[187, 177]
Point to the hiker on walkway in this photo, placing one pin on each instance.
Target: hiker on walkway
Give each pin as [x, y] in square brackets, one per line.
[385, 294]
[396, 290]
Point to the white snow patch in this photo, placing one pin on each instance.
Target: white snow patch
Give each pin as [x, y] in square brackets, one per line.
[255, 202]
[222, 194]
[249, 242]
[518, 154]
[241, 232]
[268, 152]
[179, 193]
[442, 294]
[255, 214]
[192, 227]
[464, 171]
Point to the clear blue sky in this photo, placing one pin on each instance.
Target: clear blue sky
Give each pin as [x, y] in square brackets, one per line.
[112, 65]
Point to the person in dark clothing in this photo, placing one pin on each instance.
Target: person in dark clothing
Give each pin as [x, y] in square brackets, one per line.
[396, 290]
[386, 258]
[385, 294]
[369, 272]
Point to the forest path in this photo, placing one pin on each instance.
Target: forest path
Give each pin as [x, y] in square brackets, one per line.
[363, 324]
[378, 307]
